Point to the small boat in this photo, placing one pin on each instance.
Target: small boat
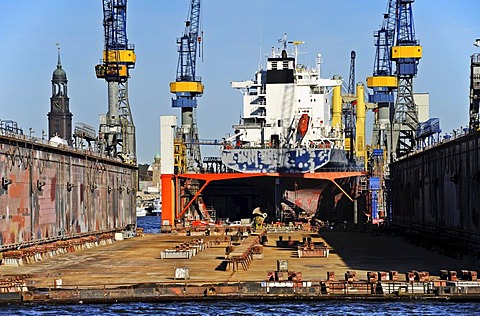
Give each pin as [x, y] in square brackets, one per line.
[157, 207]
[141, 211]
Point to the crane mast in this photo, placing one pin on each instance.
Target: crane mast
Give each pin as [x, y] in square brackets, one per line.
[348, 107]
[351, 77]
[474, 124]
[187, 87]
[117, 131]
[406, 53]
[383, 82]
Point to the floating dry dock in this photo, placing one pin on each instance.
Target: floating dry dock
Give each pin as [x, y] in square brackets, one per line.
[359, 266]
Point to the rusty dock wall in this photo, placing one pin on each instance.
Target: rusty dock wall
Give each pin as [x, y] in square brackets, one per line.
[311, 290]
[436, 193]
[50, 192]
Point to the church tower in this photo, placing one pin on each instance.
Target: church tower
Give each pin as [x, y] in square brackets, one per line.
[59, 117]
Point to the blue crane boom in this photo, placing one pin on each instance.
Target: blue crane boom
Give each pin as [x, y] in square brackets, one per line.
[385, 40]
[115, 24]
[383, 82]
[187, 86]
[188, 45]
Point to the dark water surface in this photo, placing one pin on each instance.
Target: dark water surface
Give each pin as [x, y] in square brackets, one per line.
[293, 308]
[150, 224]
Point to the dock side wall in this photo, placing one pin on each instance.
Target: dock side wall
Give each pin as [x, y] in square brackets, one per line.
[439, 189]
[48, 193]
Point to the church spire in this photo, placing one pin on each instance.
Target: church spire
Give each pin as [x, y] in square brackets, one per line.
[59, 75]
[59, 63]
[60, 117]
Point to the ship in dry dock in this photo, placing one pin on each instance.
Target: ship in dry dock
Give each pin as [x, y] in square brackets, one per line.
[289, 155]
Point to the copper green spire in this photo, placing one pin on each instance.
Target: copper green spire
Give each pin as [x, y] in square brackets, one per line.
[59, 74]
[59, 64]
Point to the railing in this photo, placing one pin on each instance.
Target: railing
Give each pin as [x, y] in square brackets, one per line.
[35, 141]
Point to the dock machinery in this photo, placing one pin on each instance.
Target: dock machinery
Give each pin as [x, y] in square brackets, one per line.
[396, 121]
[383, 83]
[474, 124]
[406, 53]
[117, 131]
[187, 87]
[181, 194]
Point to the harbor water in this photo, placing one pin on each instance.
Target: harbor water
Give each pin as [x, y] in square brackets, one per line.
[150, 224]
[251, 308]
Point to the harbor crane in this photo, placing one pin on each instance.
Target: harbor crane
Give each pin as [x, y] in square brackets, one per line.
[406, 53]
[474, 124]
[117, 131]
[383, 82]
[187, 87]
[349, 100]
[396, 119]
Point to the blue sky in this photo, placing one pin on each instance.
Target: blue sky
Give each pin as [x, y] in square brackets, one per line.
[237, 35]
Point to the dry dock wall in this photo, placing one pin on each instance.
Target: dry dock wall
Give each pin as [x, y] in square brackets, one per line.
[49, 192]
[438, 189]
[316, 290]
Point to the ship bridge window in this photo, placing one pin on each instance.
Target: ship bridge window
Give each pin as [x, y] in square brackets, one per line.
[285, 65]
[274, 65]
[317, 90]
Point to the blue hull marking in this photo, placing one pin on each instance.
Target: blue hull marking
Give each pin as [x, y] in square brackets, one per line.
[283, 160]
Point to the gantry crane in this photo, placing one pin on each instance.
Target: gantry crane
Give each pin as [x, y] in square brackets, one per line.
[406, 53]
[117, 131]
[396, 120]
[349, 100]
[187, 88]
[383, 82]
[474, 124]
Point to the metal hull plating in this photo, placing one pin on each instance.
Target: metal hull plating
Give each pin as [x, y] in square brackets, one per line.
[439, 189]
[49, 193]
[299, 160]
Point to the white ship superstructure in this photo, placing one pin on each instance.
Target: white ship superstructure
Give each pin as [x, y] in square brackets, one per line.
[286, 121]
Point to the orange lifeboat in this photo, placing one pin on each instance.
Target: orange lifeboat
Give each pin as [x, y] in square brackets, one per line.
[303, 124]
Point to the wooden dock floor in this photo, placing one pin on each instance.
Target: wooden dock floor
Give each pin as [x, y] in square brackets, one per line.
[137, 260]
